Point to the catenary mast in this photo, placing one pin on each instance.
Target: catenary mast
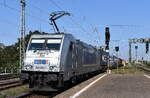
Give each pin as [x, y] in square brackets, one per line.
[22, 32]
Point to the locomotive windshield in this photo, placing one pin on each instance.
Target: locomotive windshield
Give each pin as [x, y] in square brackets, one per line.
[45, 44]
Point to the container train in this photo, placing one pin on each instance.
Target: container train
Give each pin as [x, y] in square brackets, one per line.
[52, 59]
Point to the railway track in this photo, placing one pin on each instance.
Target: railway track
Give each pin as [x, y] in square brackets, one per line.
[145, 69]
[31, 94]
[24, 95]
[7, 76]
[9, 84]
[4, 82]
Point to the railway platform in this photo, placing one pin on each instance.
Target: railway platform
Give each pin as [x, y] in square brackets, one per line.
[113, 86]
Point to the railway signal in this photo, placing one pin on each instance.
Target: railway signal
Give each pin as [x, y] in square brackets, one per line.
[107, 37]
[117, 52]
[147, 47]
[145, 41]
[136, 47]
[117, 48]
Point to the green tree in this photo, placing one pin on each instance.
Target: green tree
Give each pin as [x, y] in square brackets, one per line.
[9, 55]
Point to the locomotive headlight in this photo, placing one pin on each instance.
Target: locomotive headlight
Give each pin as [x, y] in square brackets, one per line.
[27, 64]
[52, 67]
[28, 67]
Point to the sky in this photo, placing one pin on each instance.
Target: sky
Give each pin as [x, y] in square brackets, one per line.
[125, 18]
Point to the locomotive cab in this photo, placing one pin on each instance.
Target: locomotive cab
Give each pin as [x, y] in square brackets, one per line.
[43, 55]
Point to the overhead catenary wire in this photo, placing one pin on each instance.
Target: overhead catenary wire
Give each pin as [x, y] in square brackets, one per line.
[41, 10]
[72, 20]
[89, 35]
[38, 8]
[4, 4]
[16, 25]
[40, 14]
[95, 30]
[17, 10]
[53, 2]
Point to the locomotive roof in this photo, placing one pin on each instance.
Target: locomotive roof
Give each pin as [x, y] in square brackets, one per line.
[60, 35]
[53, 35]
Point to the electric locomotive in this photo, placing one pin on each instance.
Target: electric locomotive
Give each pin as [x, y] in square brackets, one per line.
[52, 59]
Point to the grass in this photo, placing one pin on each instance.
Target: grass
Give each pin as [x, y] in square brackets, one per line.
[2, 96]
[129, 69]
[13, 91]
